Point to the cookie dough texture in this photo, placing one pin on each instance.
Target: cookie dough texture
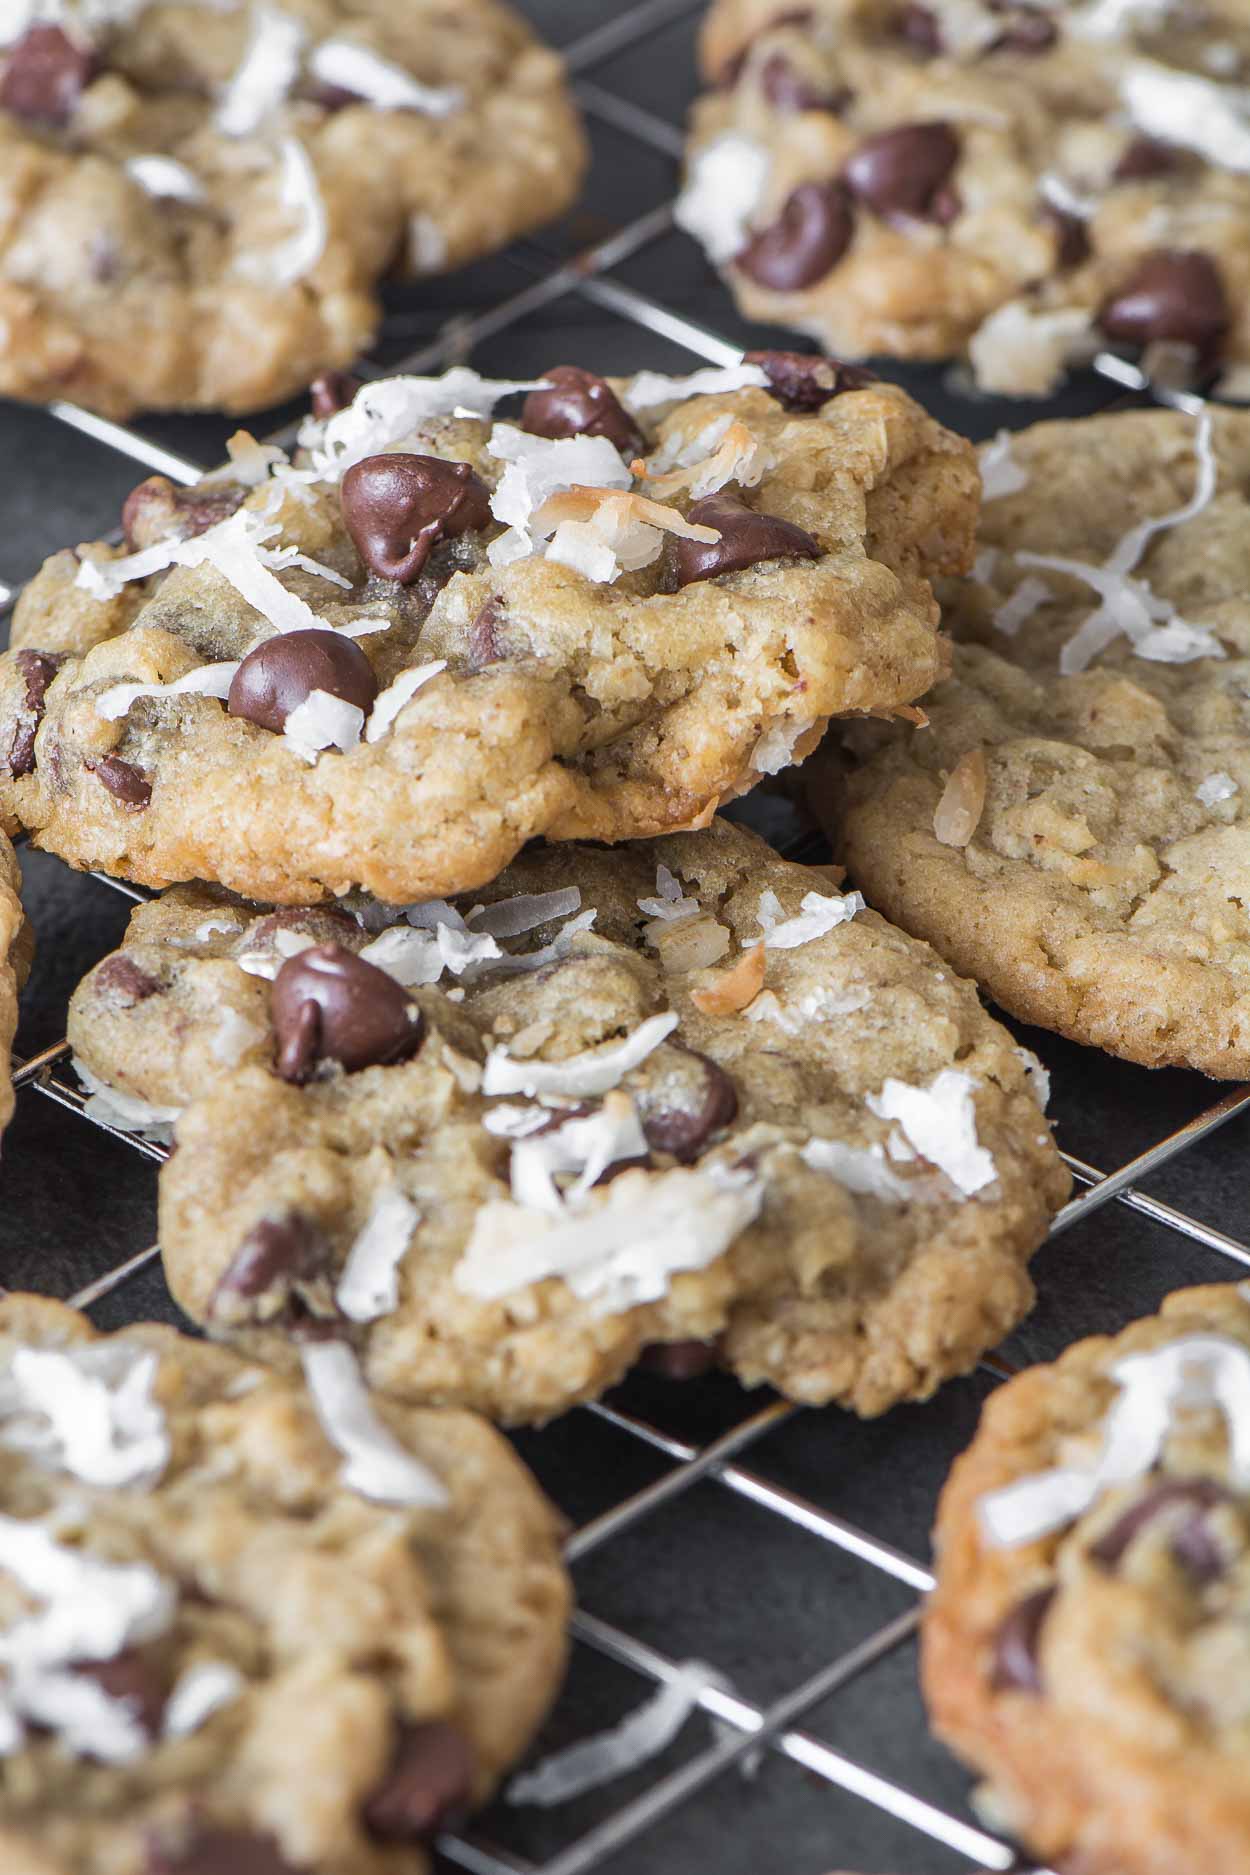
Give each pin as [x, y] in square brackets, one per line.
[1104, 891]
[14, 961]
[574, 709]
[121, 298]
[1054, 200]
[351, 1623]
[865, 1284]
[1128, 1754]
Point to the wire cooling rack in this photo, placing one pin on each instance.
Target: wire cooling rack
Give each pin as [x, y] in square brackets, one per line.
[784, 1548]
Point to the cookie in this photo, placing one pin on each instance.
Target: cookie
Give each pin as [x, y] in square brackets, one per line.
[14, 962]
[1087, 1646]
[1023, 184]
[198, 202]
[670, 1093]
[248, 1623]
[1073, 829]
[438, 636]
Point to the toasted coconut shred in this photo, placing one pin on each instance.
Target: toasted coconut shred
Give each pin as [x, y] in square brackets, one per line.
[958, 813]
[733, 989]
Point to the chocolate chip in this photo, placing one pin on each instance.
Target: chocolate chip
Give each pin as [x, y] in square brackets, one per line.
[1016, 1667]
[158, 510]
[398, 507]
[679, 1360]
[805, 381]
[731, 71]
[1191, 1541]
[485, 646]
[1172, 294]
[329, 1005]
[790, 90]
[121, 978]
[134, 1682]
[1146, 157]
[1029, 33]
[581, 404]
[278, 1256]
[282, 672]
[123, 781]
[807, 240]
[45, 74]
[429, 1782]
[210, 1850]
[685, 1099]
[903, 172]
[324, 924]
[1072, 245]
[919, 27]
[746, 538]
[331, 392]
[37, 668]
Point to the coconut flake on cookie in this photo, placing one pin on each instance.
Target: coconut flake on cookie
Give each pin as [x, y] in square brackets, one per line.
[725, 186]
[1217, 787]
[262, 82]
[299, 193]
[163, 177]
[817, 917]
[1022, 352]
[940, 1122]
[583, 1147]
[208, 680]
[1020, 605]
[592, 1072]
[199, 1692]
[369, 1285]
[378, 1466]
[88, 1411]
[670, 902]
[539, 467]
[647, 389]
[525, 911]
[397, 695]
[1180, 108]
[723, 451]
[110, 1106]
[347, 65]
[397, 410]
[323, 721]
[1001, 473]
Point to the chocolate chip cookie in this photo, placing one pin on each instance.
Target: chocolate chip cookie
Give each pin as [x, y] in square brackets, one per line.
[1023, 182]
[249, 1624]
[676, 1092]
[1073, 830]
[14, 961]
[198, 201]
[433, 636]
[1088, 1642]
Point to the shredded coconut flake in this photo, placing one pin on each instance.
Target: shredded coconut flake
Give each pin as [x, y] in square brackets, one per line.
[775, 748]
[392, 700]
[525, 911]
[86, 1410]
[1020, 605]
[670, 902]
[199, 1692]
[270, 67]
[538, 468]
[724, 187]
[388, 87]
[1023, 353]
[634, 1741]
[590, 1073]
[1037, 1077]
[395, 410]
[323, 721]
[166, 179]
[1001, 474]
[818, 916]
[378, 1465]
[583, 1147]
[300, 194]
[724, 451]
[940, 1122]
[1182, 108]
[863, 1170]
[209, 680]
[369, 1285]
[1217, 787]
[650, 388]
[109, 1106]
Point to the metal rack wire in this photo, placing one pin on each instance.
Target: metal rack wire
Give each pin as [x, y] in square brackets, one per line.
[743, 1729]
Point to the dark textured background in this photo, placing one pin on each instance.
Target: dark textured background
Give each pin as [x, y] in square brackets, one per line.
[711, 1577]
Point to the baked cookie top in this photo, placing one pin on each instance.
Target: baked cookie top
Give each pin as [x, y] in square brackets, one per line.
[662, 1093]
[1026, 182]
[437, 636]
[250, 1624]
[198, 200]
[14, 962]
[1088, 1644]
[1073, 830]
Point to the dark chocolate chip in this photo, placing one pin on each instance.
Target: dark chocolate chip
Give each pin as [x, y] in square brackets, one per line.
[686, 1099]
[1191, 1541]
[918, 26]
[679, 1360]
[1146, 157]
[807, 240]
[121, 978]
[45, 73]
[158, 510]
[485, 644]
[903, 172]
[134, 1682]
[731, 71]
[1171, 294]
[331, 392]
[123, 781]
[746, 538]
[1016, 1667]
[429, 1782]
[805, 381]
[208, 1849]
[398, 507]
[325, 924]
[282, 672]
[329, 1005]
[581, 404]
[37, 668]
[276, 1256]
[790, 91]
[1072, 245]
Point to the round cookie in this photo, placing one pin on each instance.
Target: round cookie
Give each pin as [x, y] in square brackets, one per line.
[250, 1625]
[1024, 184]
[1086, 1645]
[698, 1094]
[200, 200]
[531, 638]
[15, 951]
[1073, 829]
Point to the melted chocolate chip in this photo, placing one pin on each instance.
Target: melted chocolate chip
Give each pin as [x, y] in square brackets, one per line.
[45, 73]
[430, 1781]
[210, 1850]
[124, 782]
[331, 392]
[731, 71]
[904, 171]
[1146, 157]
[277, 1256]
[1072, 245]
[679, 1360]
[789, 90]
[805, 381]
[581, 404]
[37, 668]
[398, 507]
[158, 510]
[1016, 1667]
[687, 1099]
[918, 26]
[329, 1005]
[1191, 1540]
[1172, 294]
[746, 538]
[134, 1682]
[807, 240]
[122, 980]
[282, 672]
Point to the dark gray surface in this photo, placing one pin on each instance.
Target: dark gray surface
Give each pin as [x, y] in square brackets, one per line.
[712, 1576]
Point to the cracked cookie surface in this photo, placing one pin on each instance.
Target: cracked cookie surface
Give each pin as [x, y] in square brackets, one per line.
[250, 1624]
[1086, 1646]
[1021, 183]
[436, 637]
[1100, 880]
[698, 1095]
